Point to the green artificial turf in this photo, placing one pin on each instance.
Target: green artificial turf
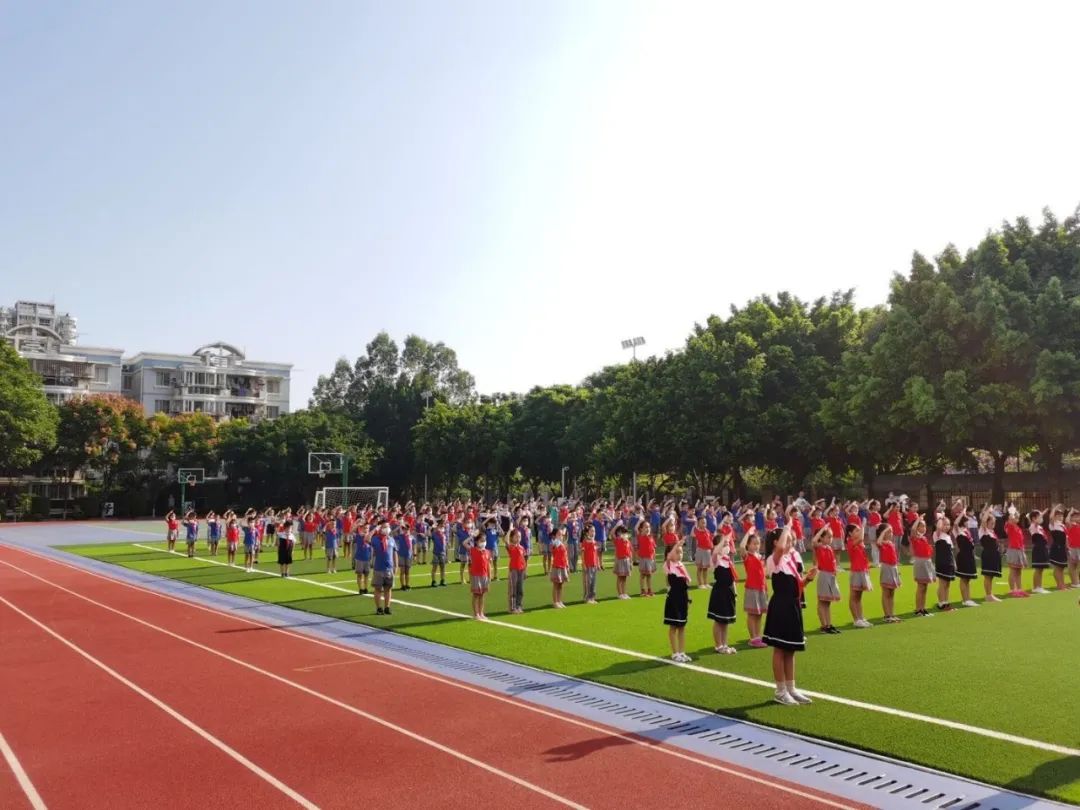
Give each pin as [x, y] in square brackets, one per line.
[1011, 667]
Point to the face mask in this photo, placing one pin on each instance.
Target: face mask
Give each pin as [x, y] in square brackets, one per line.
[385, 530]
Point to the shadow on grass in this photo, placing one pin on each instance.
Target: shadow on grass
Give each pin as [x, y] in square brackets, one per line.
[1057, 773]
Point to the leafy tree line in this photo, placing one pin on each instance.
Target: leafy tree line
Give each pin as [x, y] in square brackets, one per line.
[974, 358]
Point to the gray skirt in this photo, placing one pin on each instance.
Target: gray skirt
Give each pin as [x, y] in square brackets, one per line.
[756, 603]
[646, 566]
[1016, 558]
[860, 581]
[623, 566]
[827, 589]
[559, 575]
[480, 584]
[890, 576]
[703, 557]
[923, 569]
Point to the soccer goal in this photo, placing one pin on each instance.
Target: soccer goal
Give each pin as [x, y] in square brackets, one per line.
[360, 497]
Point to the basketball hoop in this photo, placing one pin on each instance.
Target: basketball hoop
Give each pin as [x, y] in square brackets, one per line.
[322, 473]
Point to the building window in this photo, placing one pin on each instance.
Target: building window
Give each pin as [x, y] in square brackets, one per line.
[125, 382]
[101, 374]
[272, 411]
[164, 379]
[273, 386]
[161, 406]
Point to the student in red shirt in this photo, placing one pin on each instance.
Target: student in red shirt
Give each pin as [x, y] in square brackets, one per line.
[922, 551]
[859, 579]
[624, 560]
[232, 537]
[515, 583]
[890, 572]
[646, 555]
[348, 521]
[827, 589]
[669, 535]
[836, 527]
[590, 563]
[1015, 556]
[560, 565]
[755, 596]
[172, 529]
[703, 546]
[1072, 532]
[479, 575]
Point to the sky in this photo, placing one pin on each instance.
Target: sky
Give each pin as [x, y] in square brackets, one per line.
[527, 181]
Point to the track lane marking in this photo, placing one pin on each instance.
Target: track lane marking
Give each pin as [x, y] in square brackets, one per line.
[651, 745]
[21, 777]
[169, 710]
[716, 673]
[273, 676]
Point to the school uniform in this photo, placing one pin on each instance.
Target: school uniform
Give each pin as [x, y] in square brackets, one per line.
[923, 563]
[362, 555]
[827, 589]
[1014, 554]
[284, 548]
[1040, 550]
[755, 597]
[559, 563]
[330, 543]
[944, 561]
[677, 602]
[703, 546]
[889, 573]
[990, 556]
[590, 560]
[965, 556]
[479, 569]
[1073, 535]
[646, 549]
[624, 556]
[784, 619]
[516, 585]
[723, 596]
[1059, 552]
[860, 567]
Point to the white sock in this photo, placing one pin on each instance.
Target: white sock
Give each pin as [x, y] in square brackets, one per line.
[790, 687]
[781, 687]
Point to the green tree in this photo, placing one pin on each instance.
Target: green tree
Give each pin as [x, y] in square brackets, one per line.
[104, 435]
[187, 440]
[27, 420]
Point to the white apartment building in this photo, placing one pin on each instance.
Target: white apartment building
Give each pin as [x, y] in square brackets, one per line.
[216, 379]
[48, 340]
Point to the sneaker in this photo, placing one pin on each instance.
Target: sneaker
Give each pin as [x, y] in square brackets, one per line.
[729, 650]
[624, 596]
[677, 657]
[757, 643]
[945, 608]
[378, 611]
[798, 696]
[831, 630]
[684, 658]
[970, 603]
[863, 623]
[782, 697]
[1039, 590]
[442, 583]
[386, 611]
[703, 587]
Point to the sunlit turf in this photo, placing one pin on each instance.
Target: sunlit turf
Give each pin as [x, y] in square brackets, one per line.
[1010, 667]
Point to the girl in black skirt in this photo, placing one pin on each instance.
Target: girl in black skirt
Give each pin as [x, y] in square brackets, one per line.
[784, 620]
[944, 562]
[285, 547]
[677, 603]
[722, 598]
[990, 556]
[965, 559]
[1059, 551]
[1040, 551]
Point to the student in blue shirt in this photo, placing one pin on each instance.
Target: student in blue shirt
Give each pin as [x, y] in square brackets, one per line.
[362, 553]
[213, 532]
[330, 544]
[404, 544]
[574, 527]
[438, 553]
[191, 524]
[384, 561]
[249, 543]
[525, 533]
[600, 528]
[462, 534]
[544, 528]
[491, 543]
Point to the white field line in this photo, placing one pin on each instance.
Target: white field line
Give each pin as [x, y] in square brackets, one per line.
[27, 786]
[169, 710]
[280, 679]
[716, 673]
[650, 745]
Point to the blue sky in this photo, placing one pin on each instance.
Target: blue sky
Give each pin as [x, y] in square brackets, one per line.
[529, 182]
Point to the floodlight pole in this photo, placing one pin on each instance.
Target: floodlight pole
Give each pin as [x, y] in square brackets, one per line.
[632, 344]
[564, 469]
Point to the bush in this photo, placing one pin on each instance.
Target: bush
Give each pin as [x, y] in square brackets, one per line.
[88, 506]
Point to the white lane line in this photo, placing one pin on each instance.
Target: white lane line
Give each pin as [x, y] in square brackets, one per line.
[717, 673]
[314, 667]
[20, 775]
[266, 673]
[651, 745]
[169, 710]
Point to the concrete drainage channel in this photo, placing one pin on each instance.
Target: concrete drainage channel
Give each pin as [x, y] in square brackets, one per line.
[844, 773]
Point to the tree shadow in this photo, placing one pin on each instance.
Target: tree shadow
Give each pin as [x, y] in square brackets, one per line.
[1048, 775]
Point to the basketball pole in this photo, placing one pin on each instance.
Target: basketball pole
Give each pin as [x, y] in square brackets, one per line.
[183, 489]
[344, 470]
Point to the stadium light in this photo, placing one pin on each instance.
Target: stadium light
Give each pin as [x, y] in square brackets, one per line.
[427, 397]
[632, 345]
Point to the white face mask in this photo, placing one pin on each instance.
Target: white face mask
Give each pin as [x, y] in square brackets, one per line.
[385, 530]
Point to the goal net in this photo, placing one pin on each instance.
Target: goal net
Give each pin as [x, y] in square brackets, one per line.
[360, 497]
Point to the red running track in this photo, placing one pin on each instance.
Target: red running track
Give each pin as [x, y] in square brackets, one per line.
[250, 715]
